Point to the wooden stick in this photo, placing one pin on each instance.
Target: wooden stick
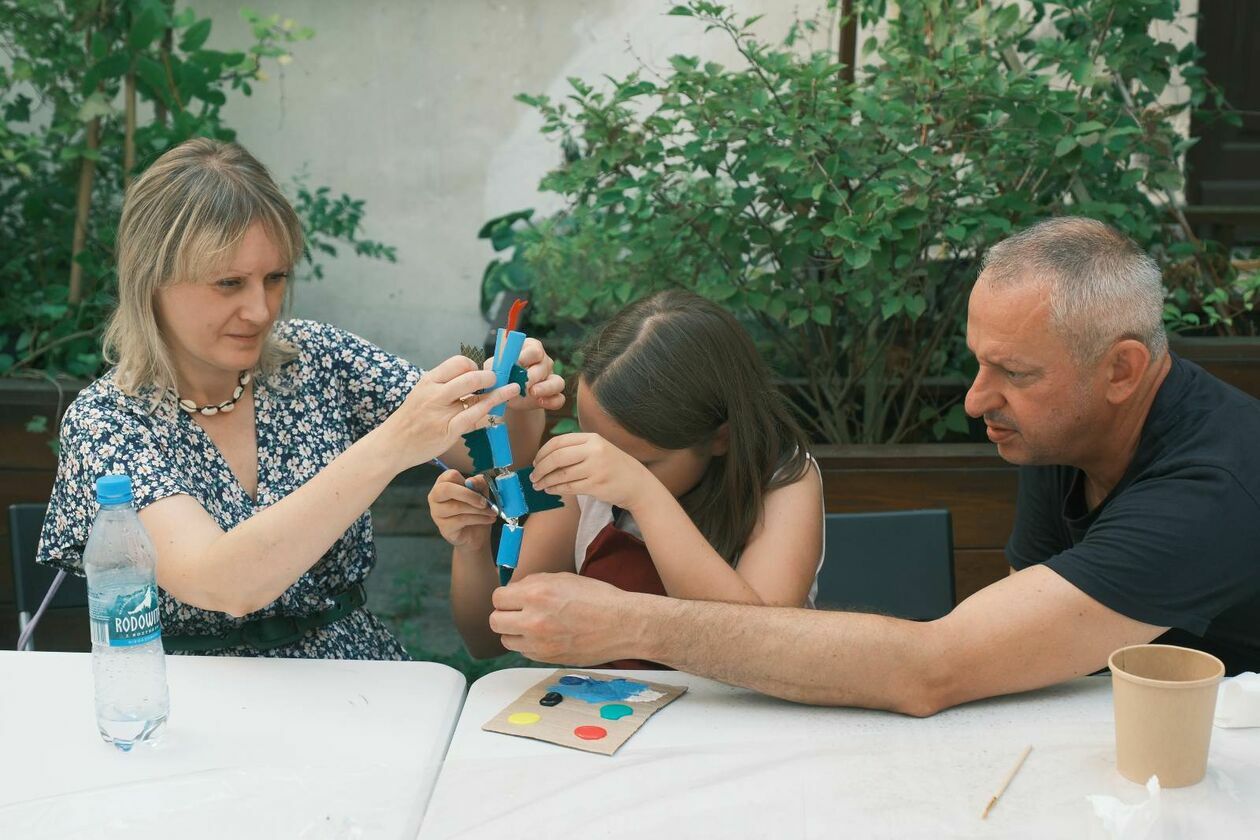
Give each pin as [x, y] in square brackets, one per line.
[129, 126]
[1009, 776]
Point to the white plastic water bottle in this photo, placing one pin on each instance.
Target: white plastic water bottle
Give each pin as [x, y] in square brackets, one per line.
[128, 663]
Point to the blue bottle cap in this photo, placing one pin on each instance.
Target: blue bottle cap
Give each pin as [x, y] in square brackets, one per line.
[113, 489]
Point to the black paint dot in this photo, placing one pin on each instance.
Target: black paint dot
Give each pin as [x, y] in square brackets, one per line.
[551, 698]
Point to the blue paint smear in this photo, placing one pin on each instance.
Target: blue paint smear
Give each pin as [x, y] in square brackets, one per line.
[597, 691]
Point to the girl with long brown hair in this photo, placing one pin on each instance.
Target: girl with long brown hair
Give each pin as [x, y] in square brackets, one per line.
[689, 477]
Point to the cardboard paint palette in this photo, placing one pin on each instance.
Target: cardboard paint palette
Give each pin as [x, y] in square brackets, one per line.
[584, 710]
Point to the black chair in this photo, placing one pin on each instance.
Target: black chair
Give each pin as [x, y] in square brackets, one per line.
[30, 579]
[899, 563]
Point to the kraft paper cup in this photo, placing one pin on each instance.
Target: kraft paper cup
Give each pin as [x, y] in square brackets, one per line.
[1164, 700]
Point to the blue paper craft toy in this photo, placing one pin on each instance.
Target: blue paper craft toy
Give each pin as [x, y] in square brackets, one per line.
[512, 495]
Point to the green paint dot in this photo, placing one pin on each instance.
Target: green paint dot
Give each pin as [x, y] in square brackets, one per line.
[615, 711]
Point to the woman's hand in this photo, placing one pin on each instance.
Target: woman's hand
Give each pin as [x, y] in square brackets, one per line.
[442, 406]
[587, 464]
[544, 388]
[463, 516]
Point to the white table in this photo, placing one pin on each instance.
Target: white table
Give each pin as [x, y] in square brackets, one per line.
[254, 748]
[723, 762]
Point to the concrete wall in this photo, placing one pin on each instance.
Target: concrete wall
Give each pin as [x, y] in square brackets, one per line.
[409, 106]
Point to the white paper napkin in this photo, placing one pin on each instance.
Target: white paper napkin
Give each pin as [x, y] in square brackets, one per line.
[1129, 822]
[1238, 701]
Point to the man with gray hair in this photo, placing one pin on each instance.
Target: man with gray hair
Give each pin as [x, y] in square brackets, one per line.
[1137, 519]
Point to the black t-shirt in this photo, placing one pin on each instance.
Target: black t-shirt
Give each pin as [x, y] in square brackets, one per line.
[1177, 541]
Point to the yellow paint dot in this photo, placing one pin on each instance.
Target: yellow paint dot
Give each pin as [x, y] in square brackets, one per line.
[524, 718]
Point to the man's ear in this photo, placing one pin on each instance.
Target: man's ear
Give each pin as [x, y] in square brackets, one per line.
[1125, 365]
[721, 440]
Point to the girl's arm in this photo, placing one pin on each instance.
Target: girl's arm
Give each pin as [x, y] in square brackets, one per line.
[549, 540]
[473, 579]
[776, 567]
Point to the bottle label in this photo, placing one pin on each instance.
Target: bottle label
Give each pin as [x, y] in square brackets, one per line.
[129, 619]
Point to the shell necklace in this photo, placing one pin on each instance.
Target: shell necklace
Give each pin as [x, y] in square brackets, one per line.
[215, 408]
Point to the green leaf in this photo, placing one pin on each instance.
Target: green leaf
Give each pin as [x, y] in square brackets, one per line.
[821, 314]
[857, 257]
[489, 229]
[110, 67]
[681, 11]
[798, 317]
[780, 159]
[195, 36]
[1083, 72]
[1064, 146]
[1089, 127]
[1168, 179]
[956, 419]
[100, 45]
[154, 75]
[1006, 17]
[144, 29]
[916, 305]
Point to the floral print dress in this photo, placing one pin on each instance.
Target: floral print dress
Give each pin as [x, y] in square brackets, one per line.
[307, 413]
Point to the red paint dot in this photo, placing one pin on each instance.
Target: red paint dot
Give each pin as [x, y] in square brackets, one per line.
[591, 733]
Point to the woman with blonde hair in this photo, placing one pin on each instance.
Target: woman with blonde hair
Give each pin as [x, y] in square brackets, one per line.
[255, 445]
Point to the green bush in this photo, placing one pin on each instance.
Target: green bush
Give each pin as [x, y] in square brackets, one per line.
[844, 220]
[90, 92]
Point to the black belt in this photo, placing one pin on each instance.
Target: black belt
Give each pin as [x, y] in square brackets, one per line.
[272, 631]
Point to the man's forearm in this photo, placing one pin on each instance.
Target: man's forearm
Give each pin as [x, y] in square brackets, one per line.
[809, 656]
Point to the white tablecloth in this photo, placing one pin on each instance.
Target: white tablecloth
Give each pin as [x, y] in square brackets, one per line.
[254, 748]
[723, 762]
